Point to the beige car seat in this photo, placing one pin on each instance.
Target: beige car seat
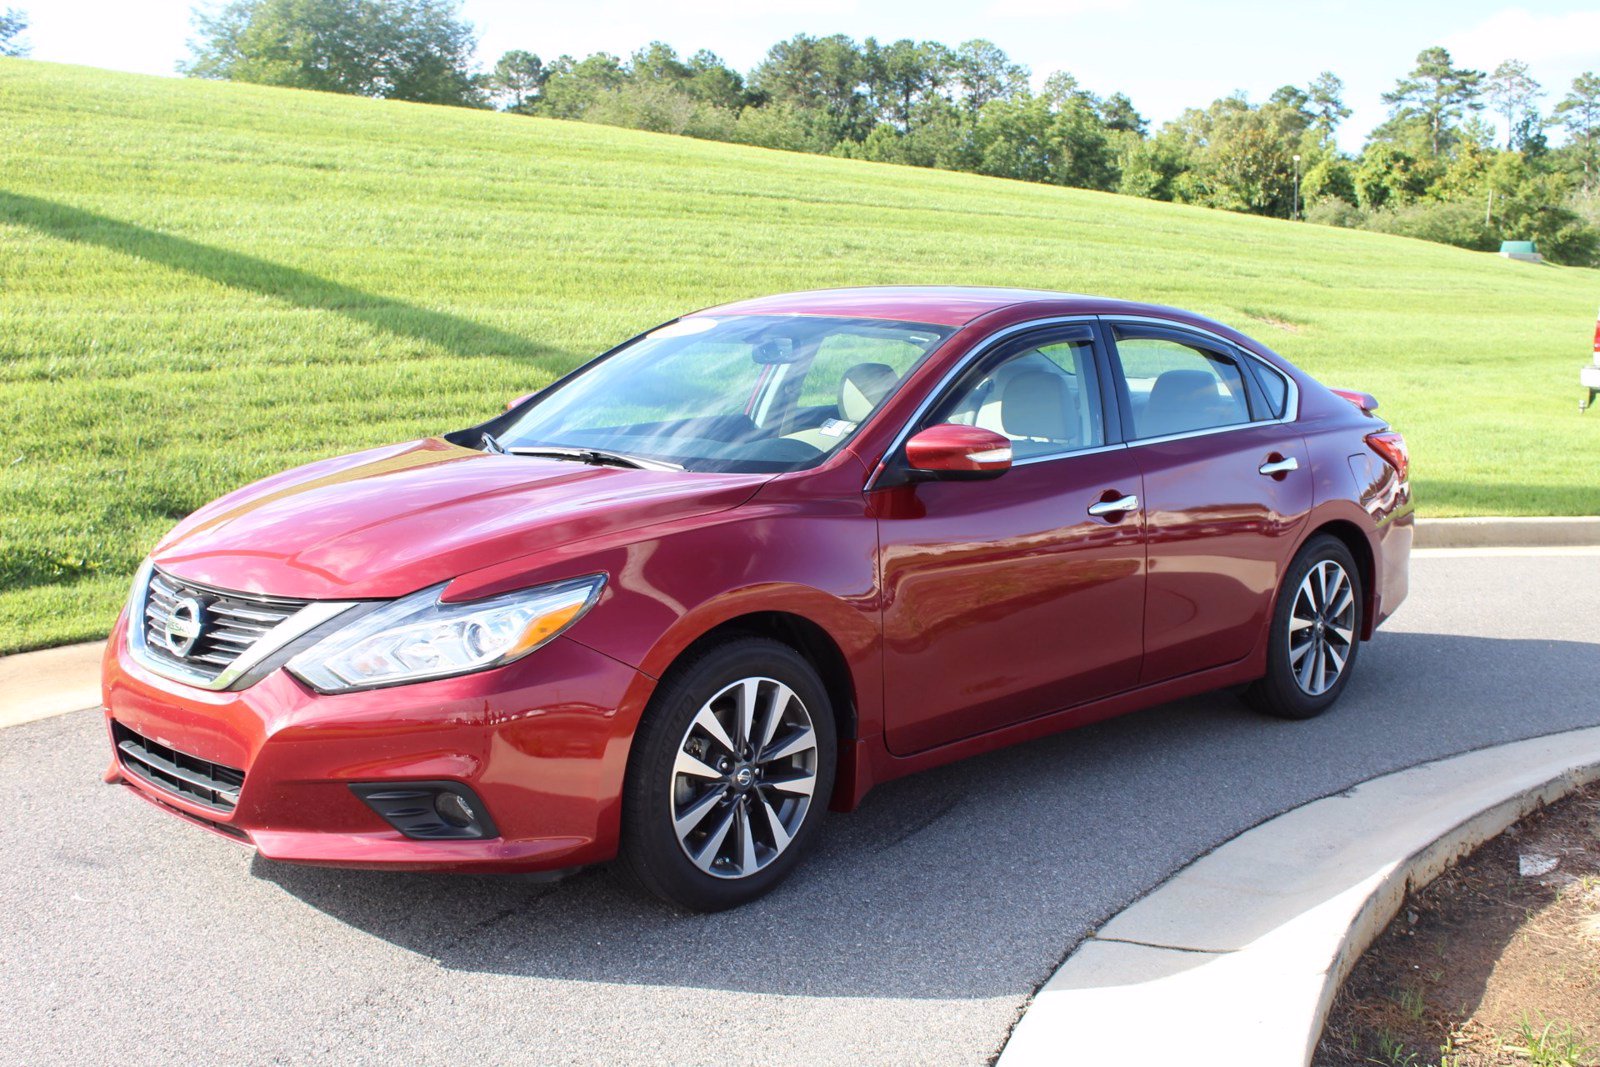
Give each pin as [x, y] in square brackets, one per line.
[861, 389]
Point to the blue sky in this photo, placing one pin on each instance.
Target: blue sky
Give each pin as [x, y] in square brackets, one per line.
[1165, 54]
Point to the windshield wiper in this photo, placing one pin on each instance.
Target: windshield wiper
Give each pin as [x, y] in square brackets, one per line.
[491, 444]
[594, 456]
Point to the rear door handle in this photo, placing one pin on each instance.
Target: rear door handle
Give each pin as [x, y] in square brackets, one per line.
[1113, 507]
[1279, 466]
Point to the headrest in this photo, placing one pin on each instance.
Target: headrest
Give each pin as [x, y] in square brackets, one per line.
[862, 388]
[1180, 400]
[1034, 404]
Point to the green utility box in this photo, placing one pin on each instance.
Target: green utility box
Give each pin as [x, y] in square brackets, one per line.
[1523, 250]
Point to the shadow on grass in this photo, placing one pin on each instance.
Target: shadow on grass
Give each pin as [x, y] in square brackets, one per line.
[459, 336]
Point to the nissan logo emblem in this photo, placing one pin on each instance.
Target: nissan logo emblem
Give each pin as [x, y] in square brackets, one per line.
[185, 626]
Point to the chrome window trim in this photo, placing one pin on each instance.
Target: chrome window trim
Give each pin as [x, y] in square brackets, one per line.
[961, 367]
[1210, 431]
[297, 625]
[1053, 456]
[1291, 402]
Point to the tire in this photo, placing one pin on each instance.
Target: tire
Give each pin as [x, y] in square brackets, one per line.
[749, 800]
[1313, 623]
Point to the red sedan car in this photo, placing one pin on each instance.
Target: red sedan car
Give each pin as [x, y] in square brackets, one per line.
[744, 566]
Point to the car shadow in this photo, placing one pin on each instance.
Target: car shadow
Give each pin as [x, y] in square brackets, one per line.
[974, 880]
[451, 333]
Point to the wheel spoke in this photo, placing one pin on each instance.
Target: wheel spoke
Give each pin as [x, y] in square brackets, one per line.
[800, 785]
[780, 835]
[795, 743]
[707, 720]
[1335, 586]
[692, 765]
[776, 709]
[1297, 623]
[1347, 636]
[745, 711]
[692, 816]
[1298, 654]
[1305, 603]
[1320, 671]
[1303, 672]
[747, 840]
[1337, 663]
[707, 855]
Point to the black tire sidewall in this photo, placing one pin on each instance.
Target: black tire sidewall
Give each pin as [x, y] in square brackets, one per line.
[650, 851]
[1277, 693]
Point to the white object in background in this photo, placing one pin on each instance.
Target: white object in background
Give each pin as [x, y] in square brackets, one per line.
[1589, 377]
[1535, 865]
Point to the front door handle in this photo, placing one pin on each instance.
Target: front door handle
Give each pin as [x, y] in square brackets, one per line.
[1113, 507]
[1279, 466]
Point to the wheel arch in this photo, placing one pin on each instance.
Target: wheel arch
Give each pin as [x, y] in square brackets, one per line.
[806, 637]
[1354, 538]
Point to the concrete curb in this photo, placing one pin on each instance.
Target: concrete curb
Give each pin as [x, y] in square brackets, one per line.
[37, 685]
[1237, 957]
[1496, 532]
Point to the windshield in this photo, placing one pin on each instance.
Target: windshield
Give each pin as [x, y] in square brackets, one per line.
[742, 393]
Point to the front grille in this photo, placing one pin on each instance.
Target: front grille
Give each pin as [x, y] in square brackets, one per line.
[210, 785]
[229, 623]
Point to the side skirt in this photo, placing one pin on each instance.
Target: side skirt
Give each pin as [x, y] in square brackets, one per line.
[866, 763]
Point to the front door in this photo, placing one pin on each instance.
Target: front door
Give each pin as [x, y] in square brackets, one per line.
[1008, 599]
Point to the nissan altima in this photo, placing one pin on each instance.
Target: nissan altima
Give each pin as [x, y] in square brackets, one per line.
[675, 606]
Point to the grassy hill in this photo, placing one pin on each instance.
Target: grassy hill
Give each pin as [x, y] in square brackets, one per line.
[201, 284]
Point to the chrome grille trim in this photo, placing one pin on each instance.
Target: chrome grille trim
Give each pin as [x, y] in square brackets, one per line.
[248, 628]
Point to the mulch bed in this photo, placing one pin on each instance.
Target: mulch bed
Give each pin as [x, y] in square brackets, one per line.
[1497, 962]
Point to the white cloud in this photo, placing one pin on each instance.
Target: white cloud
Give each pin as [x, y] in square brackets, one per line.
[1516, 33]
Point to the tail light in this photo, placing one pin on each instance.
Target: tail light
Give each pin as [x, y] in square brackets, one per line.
[1392, 447]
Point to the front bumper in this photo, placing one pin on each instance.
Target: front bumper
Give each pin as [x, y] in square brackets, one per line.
[543, 742]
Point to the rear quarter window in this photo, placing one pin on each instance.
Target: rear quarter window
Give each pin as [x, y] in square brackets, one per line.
[1274, 390]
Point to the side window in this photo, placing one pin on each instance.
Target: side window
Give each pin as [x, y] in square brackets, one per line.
[1275, 389]
[1177, 388]
[1043, 397]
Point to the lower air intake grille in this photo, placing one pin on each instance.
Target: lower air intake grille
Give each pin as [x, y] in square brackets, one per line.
[210, 785]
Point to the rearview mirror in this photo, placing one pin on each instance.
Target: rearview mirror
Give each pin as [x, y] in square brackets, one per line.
[951, 452]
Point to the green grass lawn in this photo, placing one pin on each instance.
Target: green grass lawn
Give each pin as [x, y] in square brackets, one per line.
[201, 284]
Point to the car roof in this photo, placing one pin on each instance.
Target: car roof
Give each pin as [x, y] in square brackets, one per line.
[937, 305]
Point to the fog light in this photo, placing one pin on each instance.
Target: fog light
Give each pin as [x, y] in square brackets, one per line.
[429, 811]
[454, 809]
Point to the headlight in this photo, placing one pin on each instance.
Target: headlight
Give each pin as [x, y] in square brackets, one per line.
[417, 637]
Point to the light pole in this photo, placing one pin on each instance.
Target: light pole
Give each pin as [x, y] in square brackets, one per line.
[1296, 213]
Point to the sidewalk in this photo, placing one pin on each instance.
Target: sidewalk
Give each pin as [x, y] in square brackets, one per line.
[36, 685]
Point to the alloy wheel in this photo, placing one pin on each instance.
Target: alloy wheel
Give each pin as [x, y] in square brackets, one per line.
[1322, 628]
[744, 777]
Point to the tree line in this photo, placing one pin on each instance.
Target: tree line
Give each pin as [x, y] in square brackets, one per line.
[1434, 170]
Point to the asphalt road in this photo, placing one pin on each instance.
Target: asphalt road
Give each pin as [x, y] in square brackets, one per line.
[915, 935]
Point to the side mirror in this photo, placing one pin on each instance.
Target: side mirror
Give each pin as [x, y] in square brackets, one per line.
[950, 452]
[521, 399]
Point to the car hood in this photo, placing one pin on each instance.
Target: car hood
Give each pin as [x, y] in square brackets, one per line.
[389, 521]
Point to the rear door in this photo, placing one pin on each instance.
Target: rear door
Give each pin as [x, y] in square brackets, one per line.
[1227, 486]
[1008, 599]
